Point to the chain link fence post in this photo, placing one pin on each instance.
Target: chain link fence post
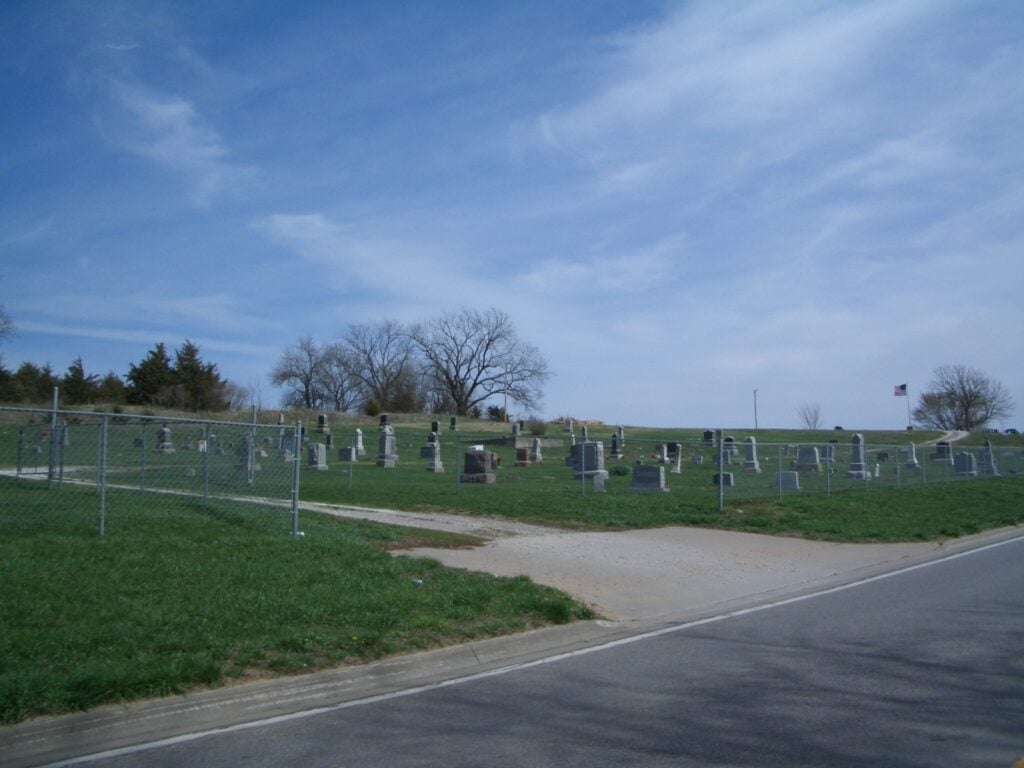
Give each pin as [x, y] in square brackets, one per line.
[51, 472]
[296, 448]
[101, 474]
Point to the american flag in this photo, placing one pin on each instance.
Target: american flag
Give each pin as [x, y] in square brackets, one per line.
[900, 390]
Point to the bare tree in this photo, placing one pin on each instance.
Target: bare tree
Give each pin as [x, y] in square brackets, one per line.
[341, 386]
[960, 397]
[382, 355]
[473, 355]
[6, 324]
[300, 371]
[810, 415]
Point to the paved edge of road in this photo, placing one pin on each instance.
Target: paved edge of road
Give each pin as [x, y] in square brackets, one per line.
[120, 729]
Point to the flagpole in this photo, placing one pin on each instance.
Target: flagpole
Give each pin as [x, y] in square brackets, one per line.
[909, 423]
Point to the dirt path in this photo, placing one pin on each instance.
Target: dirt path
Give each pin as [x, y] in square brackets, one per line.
[646, 574]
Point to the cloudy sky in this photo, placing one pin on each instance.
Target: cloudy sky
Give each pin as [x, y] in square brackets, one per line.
[677, 203]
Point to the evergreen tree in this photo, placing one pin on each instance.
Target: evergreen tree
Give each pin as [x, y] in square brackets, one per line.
[32, 384]
[77, 388]
[111, 390]
[152, 381]
[198, 384]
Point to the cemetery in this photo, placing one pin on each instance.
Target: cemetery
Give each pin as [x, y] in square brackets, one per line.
[603, 475]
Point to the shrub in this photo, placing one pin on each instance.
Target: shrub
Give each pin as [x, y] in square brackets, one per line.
[536, 425]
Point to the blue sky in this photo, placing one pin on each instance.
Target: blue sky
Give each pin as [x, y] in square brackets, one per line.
[677, 203]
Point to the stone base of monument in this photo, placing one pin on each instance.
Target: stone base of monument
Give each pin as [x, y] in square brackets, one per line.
[752, 466]
[484, 478]
[388, 462]
[165, 448]
[728, 479]
[858, 472]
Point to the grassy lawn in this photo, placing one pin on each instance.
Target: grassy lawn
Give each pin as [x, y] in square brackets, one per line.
[179, 594]
[896, 505]
[200, 595]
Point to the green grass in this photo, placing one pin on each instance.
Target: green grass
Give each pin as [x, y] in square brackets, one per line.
[179, 594]
[911, 505]
[171, 600]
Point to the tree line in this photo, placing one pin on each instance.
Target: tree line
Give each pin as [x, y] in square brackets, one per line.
[452, 363]
[183, 382]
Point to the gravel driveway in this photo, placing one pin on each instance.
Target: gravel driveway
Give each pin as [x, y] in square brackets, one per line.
[653, 573]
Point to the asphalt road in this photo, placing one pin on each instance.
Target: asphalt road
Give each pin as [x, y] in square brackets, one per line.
[920, 668]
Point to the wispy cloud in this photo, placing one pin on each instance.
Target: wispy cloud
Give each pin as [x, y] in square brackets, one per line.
[169, 131]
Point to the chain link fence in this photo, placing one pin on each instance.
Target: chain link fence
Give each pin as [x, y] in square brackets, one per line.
[425, 468]
[163, 463]
[154, 466]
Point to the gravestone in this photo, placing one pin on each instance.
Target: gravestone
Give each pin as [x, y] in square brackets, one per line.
[696, 459]
[677, 462]
[911, 457]
[858, 464]
[828, 453]
[522, 457]
[599, 480]
[245, 453]
[479, 468]
[360, 449]
[568, 426]
[435, 427]
[385, 420]
[751, 464]
[535, 451]
[163, 440]
[387, 446]
[329, 440]
[648, 479]
[317, 456]
[788, 481]
[943, 454]
[427, 450]
[708, 437]
[965, 465]
[321, 424]
[807, 459]
[663, 453]
[988, 461]
[589, 460]
[586, 433]
[620, 432]
[882, 457]
[728, 479]
[515, 429]
[616, 451]
[453, 424]
[730, 446]
[434, 459]
[348, 454]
